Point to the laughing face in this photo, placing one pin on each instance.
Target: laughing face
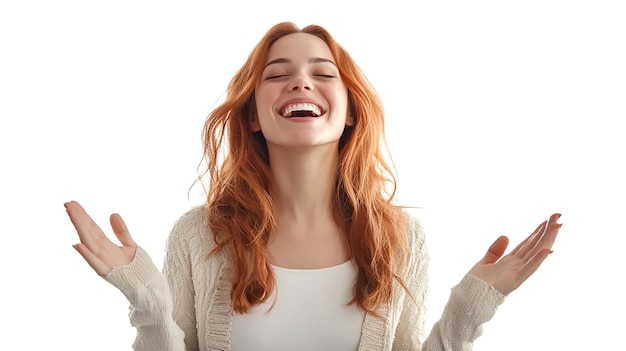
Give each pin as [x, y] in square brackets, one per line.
[301, 100]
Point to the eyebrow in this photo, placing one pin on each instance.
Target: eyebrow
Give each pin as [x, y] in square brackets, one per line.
[311, 60]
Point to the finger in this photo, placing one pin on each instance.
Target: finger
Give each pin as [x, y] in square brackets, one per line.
[529, 249]
[543, 239]
[121, 231]
[533, 264]
[555, 217]
[94, 262]
[523, 247]
[547, 240]
[496, 250]
[88, 231]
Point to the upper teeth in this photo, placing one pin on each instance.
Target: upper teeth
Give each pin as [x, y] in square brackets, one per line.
[301, 107]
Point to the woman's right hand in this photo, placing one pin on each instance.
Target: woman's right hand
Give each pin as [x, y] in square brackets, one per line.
[99, 252]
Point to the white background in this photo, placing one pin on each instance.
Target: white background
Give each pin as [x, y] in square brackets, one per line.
[499, 114]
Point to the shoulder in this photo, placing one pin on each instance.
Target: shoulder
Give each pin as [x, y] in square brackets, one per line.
[415, 231]
[191, 227]
[194, 217]
[418, 256]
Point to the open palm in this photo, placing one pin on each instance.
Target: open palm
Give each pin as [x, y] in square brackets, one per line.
[100, 252]
[507, 273]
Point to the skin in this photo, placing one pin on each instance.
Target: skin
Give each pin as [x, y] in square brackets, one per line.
[303, 151]
[301, 65]
[303, 159]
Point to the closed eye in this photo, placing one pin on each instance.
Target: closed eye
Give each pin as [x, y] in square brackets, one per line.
[325, 75]
[276, 76]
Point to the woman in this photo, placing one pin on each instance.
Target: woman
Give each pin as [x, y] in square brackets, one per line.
[300, 245]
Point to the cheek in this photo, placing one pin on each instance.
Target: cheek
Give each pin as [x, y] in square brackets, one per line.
[265, 98]
[258, 99]
[341, 101]
[345, 103]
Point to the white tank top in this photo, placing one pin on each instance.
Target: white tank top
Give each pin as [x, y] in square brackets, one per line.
[310, 313]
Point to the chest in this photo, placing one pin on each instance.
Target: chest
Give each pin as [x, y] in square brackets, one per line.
[315, 250]
[309, 310]
[215, 318]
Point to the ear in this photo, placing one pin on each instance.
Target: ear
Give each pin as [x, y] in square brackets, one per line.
[253, 120]
[350, 120]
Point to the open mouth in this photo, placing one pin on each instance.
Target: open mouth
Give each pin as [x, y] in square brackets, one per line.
[301, 110]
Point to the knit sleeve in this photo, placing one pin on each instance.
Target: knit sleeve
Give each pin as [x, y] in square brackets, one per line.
[471, 304]
[162, 305]
[151, 305]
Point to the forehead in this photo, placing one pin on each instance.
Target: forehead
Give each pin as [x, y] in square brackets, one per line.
[299, 45]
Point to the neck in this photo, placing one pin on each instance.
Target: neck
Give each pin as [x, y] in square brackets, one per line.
[304, 183]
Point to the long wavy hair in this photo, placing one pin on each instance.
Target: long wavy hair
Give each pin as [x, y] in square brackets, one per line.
[240, 204]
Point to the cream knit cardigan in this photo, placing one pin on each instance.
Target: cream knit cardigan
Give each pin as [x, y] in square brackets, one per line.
[188, 307]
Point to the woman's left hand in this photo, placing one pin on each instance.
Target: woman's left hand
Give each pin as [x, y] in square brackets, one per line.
[507, 273]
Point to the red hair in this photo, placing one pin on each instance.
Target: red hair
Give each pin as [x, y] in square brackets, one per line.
[240, 205]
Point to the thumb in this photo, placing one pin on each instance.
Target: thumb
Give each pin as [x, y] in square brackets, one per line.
[496, 250]
[121, 231]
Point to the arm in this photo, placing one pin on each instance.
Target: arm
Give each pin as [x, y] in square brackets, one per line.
[151, 304]
[471, 304]
[130, 269]
[476, 298]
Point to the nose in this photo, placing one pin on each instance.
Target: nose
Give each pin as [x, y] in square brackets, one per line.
[300, 82]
